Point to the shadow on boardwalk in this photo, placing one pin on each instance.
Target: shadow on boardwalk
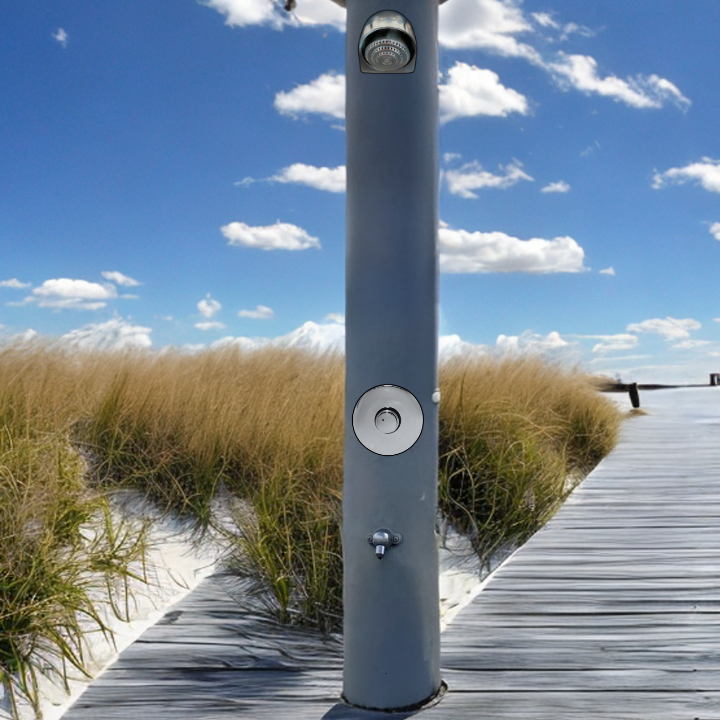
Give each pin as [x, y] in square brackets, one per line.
[611, 611]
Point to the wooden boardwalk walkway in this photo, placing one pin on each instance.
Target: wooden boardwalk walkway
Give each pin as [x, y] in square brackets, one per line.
[611, 611]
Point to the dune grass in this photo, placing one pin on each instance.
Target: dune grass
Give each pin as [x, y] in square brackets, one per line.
[515, 437]
[265, 430]
[59, 542]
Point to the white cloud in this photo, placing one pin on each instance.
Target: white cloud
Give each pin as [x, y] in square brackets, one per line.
[309, 336]
[714, 231]
[14, 283]
[320, 12]
[209, 307]
[477, 252]
[472, 177]
[281, 236]
[119, 279]
[691, 344]
[450, 346]
[321, 178]
[63, 293]
[330, 336]
[26, 336]
[706, 172]
[261, 312]
[248, 12]
[607, 271]
[489, 25]
[61, 36]
[210, 326]
[241, 13]
[325, 95]
[581, 72]
[473, 91]
[556, 187]
[573, 28]
[545, 19]
[670, 328]
[470, 91]
[115, 334]
[613, 343]
[530, 342]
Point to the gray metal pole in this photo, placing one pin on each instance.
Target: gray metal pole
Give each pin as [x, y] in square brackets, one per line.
[391, 604]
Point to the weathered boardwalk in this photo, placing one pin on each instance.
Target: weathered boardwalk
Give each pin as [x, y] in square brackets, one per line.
[611, 611]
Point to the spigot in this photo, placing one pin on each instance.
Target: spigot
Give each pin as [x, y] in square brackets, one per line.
[383, 540]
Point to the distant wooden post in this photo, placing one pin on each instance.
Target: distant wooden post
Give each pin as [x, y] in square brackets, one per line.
[634, 395]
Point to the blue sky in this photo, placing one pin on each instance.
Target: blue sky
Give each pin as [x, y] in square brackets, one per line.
[173, 174]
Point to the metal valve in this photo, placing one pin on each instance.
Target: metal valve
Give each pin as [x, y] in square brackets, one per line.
[383, 540]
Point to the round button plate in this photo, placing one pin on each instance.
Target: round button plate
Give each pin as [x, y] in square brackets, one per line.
[384, 401]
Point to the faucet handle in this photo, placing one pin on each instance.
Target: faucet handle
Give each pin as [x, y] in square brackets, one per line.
[383, 539]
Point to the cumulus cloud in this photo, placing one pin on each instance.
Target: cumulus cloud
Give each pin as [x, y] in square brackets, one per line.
[208, 307]
[450, 346]
[324, 95]
[530, 342]
[115, 334]
[706, 172]
[478, 252]
[241, 13]
[492, 26]
[581, 72]
[26, 336]
[472, 177]
[330, 337]
[489, 25]
[714, 231]
[311, 336]
[607, 271]
[210, 325]
[321, 178]
[670, 328]
[613, 343]
[556, 187]
[281, 236]
[472, 91]
[119, 279]
[14, 283]
[261, 312]
[67, 294]
[61, 36]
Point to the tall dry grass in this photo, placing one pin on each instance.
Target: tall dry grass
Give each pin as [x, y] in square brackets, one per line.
[59, 542]
[515, 436]
[265, 430]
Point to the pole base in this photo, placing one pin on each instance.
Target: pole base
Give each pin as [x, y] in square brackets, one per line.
[428, 702]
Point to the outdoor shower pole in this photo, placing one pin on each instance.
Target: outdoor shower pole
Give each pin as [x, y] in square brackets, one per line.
[391, 603]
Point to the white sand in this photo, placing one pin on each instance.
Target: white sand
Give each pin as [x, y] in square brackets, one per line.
[176, 566]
